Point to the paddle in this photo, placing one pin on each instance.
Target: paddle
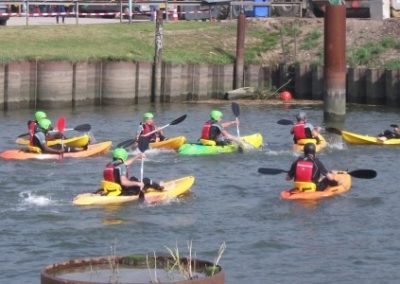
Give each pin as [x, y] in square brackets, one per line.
[334, 130]
[130, 142]
[394, 126]
[143, 145]
[362, 173]
[81, 128]
[236, 112]
[285, 122]
[61, 127]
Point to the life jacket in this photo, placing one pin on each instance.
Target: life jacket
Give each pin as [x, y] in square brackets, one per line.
[32, 127]
[147, 129]
[109, 172]
[205, 131]
[299, 131]
[304, 171]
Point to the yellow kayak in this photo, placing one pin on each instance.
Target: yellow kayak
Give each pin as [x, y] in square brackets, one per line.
[299, 146]
[78, 141]
[171, 143]
[354, 138]
[343, 178]
[172, 189]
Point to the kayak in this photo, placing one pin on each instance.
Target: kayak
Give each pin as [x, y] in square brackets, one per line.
[299, 146]
[251, 141]
[343, 178]
[78, 141]
[354, 138]
[171, 143]
[172, 189]
[24, 154]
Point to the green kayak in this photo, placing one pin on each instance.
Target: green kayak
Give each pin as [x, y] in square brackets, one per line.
[253, 141]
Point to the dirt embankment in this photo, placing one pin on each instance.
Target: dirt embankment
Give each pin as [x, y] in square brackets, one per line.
[301, 40]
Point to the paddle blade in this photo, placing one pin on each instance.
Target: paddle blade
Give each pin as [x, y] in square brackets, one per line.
[126, 143]
[61, 124]
[83, 127]
[285, 122]
[271, 171]
[143, 143]
[394, 126]
[334, 130]
[367, 174]
[236, 109]
[178, 120]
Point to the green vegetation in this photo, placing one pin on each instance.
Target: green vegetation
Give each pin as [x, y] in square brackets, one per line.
[194, 42]
[311, 39]
[368, 54]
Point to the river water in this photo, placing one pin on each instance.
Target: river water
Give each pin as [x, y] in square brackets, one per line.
[352, 238]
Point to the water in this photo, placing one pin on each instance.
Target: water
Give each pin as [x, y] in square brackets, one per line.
[347, 239]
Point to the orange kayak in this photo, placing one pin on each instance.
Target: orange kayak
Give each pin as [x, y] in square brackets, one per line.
[24, 154]
[343, 178]
[172, 143]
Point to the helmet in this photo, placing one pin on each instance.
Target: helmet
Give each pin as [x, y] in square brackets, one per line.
[40, 115]
[215, 114]
[120, 153]
[309, 149]
[148, 115]
[301, 116]
[44, 123]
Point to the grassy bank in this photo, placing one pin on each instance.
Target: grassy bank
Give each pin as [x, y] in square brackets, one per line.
[268, 42]
[197, 42]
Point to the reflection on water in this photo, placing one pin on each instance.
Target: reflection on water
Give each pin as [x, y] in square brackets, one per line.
[339, 239]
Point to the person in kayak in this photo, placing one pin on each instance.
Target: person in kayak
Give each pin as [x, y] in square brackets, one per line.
[116, 171]
[309, 173]
[214, 129]
[389, 134]
[303, 129]
[33, 125]
[39, 140]
[147, 126]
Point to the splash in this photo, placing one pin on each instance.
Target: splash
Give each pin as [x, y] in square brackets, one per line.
[30, 199]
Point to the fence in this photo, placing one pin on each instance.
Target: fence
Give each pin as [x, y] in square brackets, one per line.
[127, 9]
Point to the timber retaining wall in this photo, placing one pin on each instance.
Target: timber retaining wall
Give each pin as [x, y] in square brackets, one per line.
[59, 83]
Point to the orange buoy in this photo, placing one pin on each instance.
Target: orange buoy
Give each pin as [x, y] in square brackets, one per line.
[285, 96]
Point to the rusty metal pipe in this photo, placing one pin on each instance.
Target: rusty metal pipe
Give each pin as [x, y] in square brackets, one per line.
[239, 63]
[335, 63]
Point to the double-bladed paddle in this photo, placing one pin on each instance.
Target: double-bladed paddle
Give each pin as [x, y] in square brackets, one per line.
[81, 128]
[143, 145]
[362, 173]
[130, 142]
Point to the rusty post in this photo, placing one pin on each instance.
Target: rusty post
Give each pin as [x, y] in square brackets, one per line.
[239, 64]
[156, 78]
[335, 63]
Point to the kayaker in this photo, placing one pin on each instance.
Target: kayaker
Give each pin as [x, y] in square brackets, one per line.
[303, 129]
[147, 126]
[214, 129]
[389, 134]
[33, 125]
[39, 139]
[309, 169]
[117, 172]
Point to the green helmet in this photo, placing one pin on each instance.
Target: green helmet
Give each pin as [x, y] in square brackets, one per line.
[120, 153]
[40, 115]
[215, 114]
[148, 115]
[44, 123]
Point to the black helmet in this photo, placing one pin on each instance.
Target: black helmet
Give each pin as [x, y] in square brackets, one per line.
[309, 149]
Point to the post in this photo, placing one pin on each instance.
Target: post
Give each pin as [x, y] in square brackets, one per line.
[239, 62]
[335, 63]
[27, 12]
[121, 10]
[130, 11]
[156, 80]
[76, 12]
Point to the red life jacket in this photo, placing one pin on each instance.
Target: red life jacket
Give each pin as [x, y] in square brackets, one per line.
[32, 125]
[149, 128]
[108, 172]
[205, 131]
[299, 131]
[304, 171]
